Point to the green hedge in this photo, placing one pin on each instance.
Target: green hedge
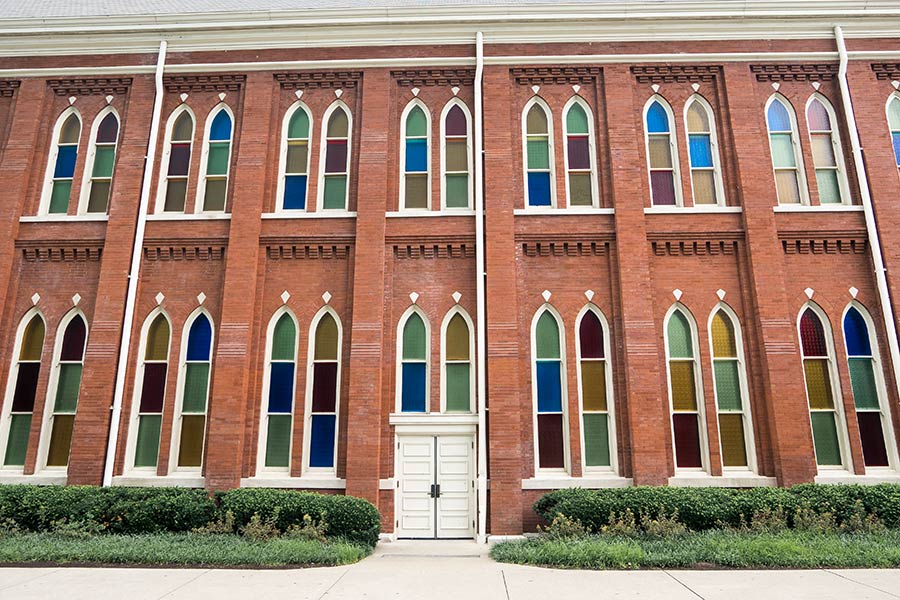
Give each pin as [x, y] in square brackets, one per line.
[706, 508]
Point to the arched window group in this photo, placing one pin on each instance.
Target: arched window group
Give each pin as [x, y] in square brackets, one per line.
[101, 162]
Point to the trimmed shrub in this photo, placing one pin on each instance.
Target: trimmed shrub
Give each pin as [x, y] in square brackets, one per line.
[707, 508]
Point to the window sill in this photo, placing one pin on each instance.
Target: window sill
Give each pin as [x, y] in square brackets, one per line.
[174, 480]
[846, 478]
[691, 210]
[447, 212]
[572, 210]
[302, 214]
[64, 219]
[801, 208]
[305, 482]
[590, 482]
[746, 479]
[189, 217]
[14, 477]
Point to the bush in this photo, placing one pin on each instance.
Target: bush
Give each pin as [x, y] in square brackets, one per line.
[708, 508]
[353, 519]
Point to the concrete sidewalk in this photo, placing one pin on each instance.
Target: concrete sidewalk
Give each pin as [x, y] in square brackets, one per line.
[438, 571]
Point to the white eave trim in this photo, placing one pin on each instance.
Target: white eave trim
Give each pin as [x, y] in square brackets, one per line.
[590, 482]
[295, 483]
[726, 480]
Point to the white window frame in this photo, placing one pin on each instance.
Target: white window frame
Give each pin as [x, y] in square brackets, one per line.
[162, 186]
[199, 207]
[592, 151]
[836, 147]
[714, 149]
[47, 190]
[469, 162]
[894, 97]
[261, 469]
[88, 179]
[473, 401]
[401, 325]
[415, 102]
[795, 143]
[610, 396]
[673, 148]
[282, 160]
[308, 398]
[537, 100]
[564, 393]
[323, 150]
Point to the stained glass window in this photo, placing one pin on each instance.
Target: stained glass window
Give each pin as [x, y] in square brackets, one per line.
[894, 125]
[826, 150]
[195, 393]
[102, 160]
[68, 384]
[24, 381]
[457, 159]
[151, 392]
[538, 156]
[296, 159]
[579, 156]
[181, 140]
[817, 369]
[663, 155]
[457, 366]
[731, 401]
[414, 365]
[335, 168]
[416, 168]
[595, 393]
[703, 153]
[548, 373]
[325, 394]
[218, 161]
[62, 165]
[278, 409]
[785, 152]
[683, 378]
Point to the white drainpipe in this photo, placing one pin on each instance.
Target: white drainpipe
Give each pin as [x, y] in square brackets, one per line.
[871, 227]
[481, 345]
[134, 273]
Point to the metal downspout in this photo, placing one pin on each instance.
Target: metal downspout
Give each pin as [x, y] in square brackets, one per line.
[480, 274]
[134, 273]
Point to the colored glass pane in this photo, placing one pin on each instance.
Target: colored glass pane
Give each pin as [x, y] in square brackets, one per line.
[67, 386]
[872, 436]
[65, 162]
[822, 150]
[684, 390]
[183, 130]
[324, 392]
[179, 160]
[338, 124]
[783, 151]
[283, 338]
[98, 199]
[196, 385]
[60, 440]
[457, 339]
[734, 447]
[660, 152]
[538, 153]
[70, 131]
[413, 382]
[704, 187]
[576, 120]
[536, 121]
[593, 385]
[278, 441]
[549, 386]
[214, 198]
[416, 123]
[895, 139]
[687, 441]
[825, 438]
[856, 333]
[701, 150]
[778, 117]
[829, 189]
[579, 152]
[59, 197]
[787, 187]
[662, 186]
[26, 387]
[176, 192]
[416, 194]
[17, 440]
[321, 441]
[104, 158]
[414, 340]
[146, 451]
[326, 338]
[297, 157]
[547, 336]
[679, 336]
[698, 119]
[539, 189]
[281, 387]
[817, 117]
[894, 113]
[298, 126]
[657, 118]
[456, 122]
[153, 388]
[812, 335]
[818, 383]
[457, 191]
[458, 387]
[580, 193]
[336, 156]
[220, 130]
[590, 336]
[218, 158]
[295, 192]
[724, 345]
[190, 447]
[32, 340]
[596, 440]
[728, 384]
[73, 340]
[157, 340]
[416, 156]
[550, 441]
[199, 339]
[457, 155]
[108, 130]
[862, 380]
[335, 194]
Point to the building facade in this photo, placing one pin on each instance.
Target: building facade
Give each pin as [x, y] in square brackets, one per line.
[450, 258]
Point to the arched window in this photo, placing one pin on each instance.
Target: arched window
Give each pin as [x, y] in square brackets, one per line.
[538, 154]
[100, 162]
[324, 392]
[706, 173]
[337, 153]
[177, 159]
[414, 352]
[458, 380]
[214, 182]
[662, 154]
[295, 160]
[684, 391]
[787, 162]
[416, 158]
[893, 113]
[735, 428]
[867, 384]
[580, 178]
[151, 393]
[190, 417]
[61, 166]
[826, 151]
[457, 157]
[278, 408]
[818, 368]
[595, 381]
[549, 382]
[23, 380]
[67, 380]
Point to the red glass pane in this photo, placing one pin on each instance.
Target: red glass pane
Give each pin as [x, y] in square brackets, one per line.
[108, 130]
[579, 154]
[590, 334]
[26, 386]
[812, 335]
[336, 156]
[550, 441]
[663, 184]
[455, 123]
[687, 440]
[153, 388]
[73, 340]
[872, 437]
[324, 387]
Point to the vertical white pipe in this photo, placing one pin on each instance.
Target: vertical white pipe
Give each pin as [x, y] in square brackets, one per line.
[871, 226]
[481, 344]
[134, 272]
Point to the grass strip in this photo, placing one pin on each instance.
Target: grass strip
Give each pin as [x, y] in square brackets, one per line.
[720, 548]
[176, 549]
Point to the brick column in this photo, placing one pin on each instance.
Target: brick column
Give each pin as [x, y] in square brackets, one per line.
[772, 344]
[647, 412]
[98, 382]
[367, 343]
[233, 359]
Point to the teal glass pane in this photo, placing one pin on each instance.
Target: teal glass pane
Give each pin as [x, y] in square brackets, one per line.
[147, 449]
[596, 440]
[67, 388]
[298, 127]
[538, 154]
[283, 339]
[278, 441]
[196, 382]
[829, 190]
[416, 123]
[103, 161]
[17, 442]
[894, 114]
[414, 342]
[728, 386]
[576, 120]
[547, 336]
[59, 197]
[335, 195]
[457, 191]
[458, 387]
[679, 332]
[825, 438]
[782, 150]
[218, 158]
[862, 379]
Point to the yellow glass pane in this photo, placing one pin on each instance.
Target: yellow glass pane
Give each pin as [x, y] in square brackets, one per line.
[338, 125]
[684, 392]
[724, 345]
[660, 152]
[537, 120]
[731, 431]
[697, 118]
[593, 385]
[704, 186]
[32, 340]
[183, 130]
[818, 383]
[787, 186]
[190, 449]
[71, 130]
[60, 440]
[457, 338]
[158, 340]
[327, 339]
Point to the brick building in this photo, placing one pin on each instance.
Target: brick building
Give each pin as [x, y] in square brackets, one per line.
[246, 249]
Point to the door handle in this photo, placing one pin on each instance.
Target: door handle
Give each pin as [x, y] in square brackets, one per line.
[435, 490]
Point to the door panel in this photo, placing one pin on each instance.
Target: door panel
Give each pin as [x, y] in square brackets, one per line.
[455, 475]
[415, 504]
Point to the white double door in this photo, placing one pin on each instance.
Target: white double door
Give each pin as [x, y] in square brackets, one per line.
[435, 486]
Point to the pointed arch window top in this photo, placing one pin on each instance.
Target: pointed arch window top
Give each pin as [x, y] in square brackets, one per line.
[536, 122]
[657, 118]
[283, 338]
[778, 117]
[812, 334]
[220, 130]
[199, 339]
[33, 340]
[326, 338]
[416, 123]
[456, 123]
[723, 339]
[577, 120]
[108, 131]
[457, 338]
[73, 340]
[698, 118]
[298, 126]
[158, 339]
[817, 116]
[183, 130]
[338, 124]
[680, 339]
[856, 331]
[547, 337]
[71, 130]
[414, 341]
[590, 334]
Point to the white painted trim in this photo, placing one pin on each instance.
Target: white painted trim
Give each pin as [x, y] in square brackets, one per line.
[734, 480]
[591, 482]
[261, 469]
[538, 101]
[469, 162]
[564, 393]
[714, 149]
[799, 165]
[308, 215]
[387, 483]
[473, 399]
[843, 478]
[561, 212]
[401, 201]
[673, 148]
[401, 324]
[204, 160]
[836, 147]
[47, 189]
[61, 218]
[87, 179]
[449, 212]
[177, 216]
[592, 150]
[480, 269]
[42, 479]
[159, 208]
[320, 472]
[803, 208]
[295, 483]
[709, 209]
[282, 158]
[433, 423]
[323, 150]
[158, 482]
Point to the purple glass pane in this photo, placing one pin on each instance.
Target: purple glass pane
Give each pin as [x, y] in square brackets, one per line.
[456, 122]
[153, 388]
[324, 387]
[812, 335]
[550, 441]
[687, 440]
[872, 437]
[590, 334]
[108, 130]
[817, 117]
[662, 184]
[579, 154]
[73, 340]
[336, 156]
[179, 160]
[26, 386]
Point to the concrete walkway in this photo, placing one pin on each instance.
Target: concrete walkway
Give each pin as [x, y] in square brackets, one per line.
[438, 571]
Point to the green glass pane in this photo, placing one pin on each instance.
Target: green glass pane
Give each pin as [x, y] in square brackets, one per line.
[335, 195]
[596, 440]
[680, 342]
[298, 127]
[580, 193]
[731, 432]
[576, 120]
[684, 390]
[67, 388]
[176, 192]
[538, 154]
[326, 338]
[196, 383]
[457, 191]
[33, 340]
[218, 158]
[414, 342]
[416, 123]
[158, 339]
[456, 155]
[818, 383]
[728, 385]
[17, 442]
[283, 339]
[278, 441]
[103, 161]
[458, 387]
[190, 446]
[825, 438]
[782, 150]
[59, 196]
[416, 191]
[297, 156]
[60, 440]
[862, 379]
[147, 448]
[593, 384]
[214, 198]
[829, 190]
[98, 199]
[547, 336]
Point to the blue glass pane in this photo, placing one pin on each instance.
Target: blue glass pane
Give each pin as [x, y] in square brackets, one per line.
[857, 334]
[778, 117]
[295, 192]
[321, 441]
[199, 339]
[548, 387]
[539, 189]
[65, 161]
[220, 130]
[413, 399]
[701, 151]
[416, 156]
[281, 388]
[657, 119]
[896, 138]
